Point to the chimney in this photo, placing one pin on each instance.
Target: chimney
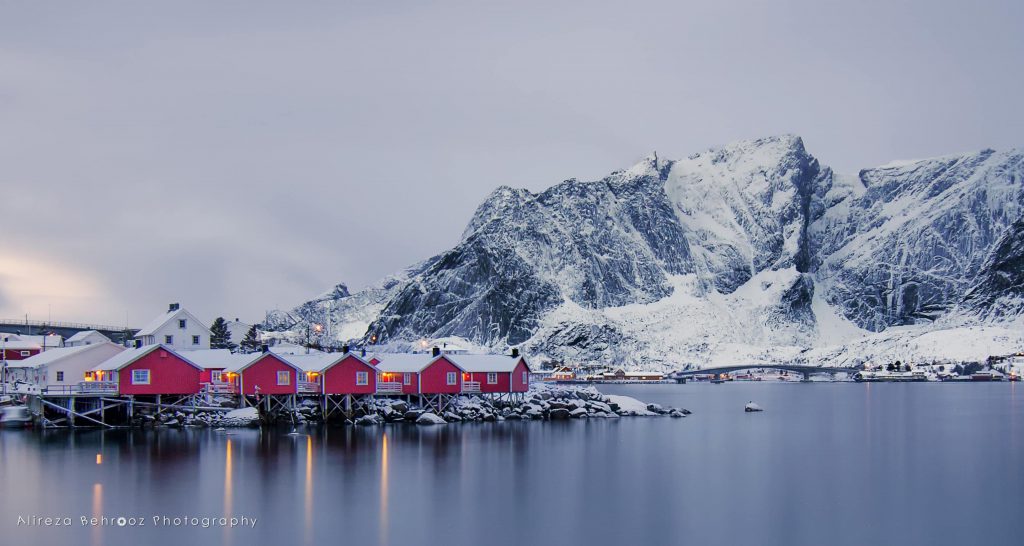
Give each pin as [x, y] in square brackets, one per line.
[344, 348]
[362, 352]
[173, 307]
[264, 348]
[436, 351]
[515, 352]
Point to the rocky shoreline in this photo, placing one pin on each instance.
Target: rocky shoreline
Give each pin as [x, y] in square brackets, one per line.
[542, 402]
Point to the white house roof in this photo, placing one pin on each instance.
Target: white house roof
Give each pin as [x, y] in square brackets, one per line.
[249, 359]
[313, 362]
[125, 358]
[407, 362]
[83, 335]
[291, 349]
[486, 363]
[18, 344]
[53, 355]
[158, 322]
[214, 358]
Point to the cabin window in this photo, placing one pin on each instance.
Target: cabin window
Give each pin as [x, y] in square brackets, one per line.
[60, 376]
[526, 377]
[26, 353]
[195, 340]
[492, 378]
[169, 340]
[453, 378]
[140, 377]
[407, 379]
[362, 378]
[283, 378]
[216, 376]
[182, 323]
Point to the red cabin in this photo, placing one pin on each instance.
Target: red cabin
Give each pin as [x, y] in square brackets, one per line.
[265, 373]
[17, 349]
[419, 374]
[493, 373]
[154, 369]
[349, 374]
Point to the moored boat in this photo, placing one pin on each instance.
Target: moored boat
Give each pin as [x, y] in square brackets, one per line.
[16, 416]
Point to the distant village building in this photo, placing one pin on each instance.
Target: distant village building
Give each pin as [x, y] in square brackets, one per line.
[86, 337]
[64, 367]
[237, 330]
[15, 347]
[176, 328]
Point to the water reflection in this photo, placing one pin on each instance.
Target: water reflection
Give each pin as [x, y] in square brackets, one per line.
[309, 490]
[229, 489]
[97, 512]
[384, 490]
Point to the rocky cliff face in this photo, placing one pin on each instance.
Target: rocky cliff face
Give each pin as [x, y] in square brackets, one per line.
[737, 252]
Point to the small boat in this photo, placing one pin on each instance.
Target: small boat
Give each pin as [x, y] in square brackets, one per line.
[750, 407]
[15, 417]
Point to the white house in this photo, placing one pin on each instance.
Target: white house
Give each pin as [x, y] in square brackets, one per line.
[86, 337]
[177, 329]
[238, 329]
[63, 367]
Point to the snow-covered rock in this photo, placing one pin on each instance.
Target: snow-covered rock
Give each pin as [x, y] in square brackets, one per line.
[430, 418]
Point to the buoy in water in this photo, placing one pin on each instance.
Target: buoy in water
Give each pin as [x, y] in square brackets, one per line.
[752, 407]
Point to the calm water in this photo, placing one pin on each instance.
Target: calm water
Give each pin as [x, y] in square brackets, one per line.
[824, 464]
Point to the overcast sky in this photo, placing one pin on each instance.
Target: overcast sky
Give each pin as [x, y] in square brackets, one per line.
[239, 156]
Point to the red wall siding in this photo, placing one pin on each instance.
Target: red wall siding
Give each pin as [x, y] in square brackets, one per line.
[204, 376]
[15, 354]
[341, 377]
[500, 386]
[433, 379]
[263, 373]
[168, 374]
[518, 385]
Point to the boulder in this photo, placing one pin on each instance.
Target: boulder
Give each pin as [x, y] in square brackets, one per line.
[558, 414]
[428, 418]
[578, 413]
[751, 407]
[412, 415]
[369, 420]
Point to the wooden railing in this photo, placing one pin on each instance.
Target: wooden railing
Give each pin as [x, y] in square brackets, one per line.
[470, 386]
[220, 388]
[308, 387]
[389, 387]
[84, 387]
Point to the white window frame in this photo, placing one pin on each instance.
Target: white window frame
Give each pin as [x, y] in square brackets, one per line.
[287, 377]
[362, 378]
[182, 323]
[137, 377]
[196, 340]
[492, 378]
[407, 379]
[452, 378]
[168, 340]
[26, 353]
[526, 377]
[216, 376]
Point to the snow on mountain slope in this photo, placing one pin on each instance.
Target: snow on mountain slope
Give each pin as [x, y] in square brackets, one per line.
[752, 252]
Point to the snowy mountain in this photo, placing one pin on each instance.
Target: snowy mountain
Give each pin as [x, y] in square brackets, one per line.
[747, 253]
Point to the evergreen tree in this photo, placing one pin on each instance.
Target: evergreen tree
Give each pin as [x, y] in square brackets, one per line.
[220, 336]
[251, 342]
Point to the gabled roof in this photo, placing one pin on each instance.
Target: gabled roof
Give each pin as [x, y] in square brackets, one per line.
[53, 355]
[214, 359]
[487, 363]
[125, 358]
[410, 362]
[83, 335]
[166, 317]
[313, 362]
[18, 344]
[346, 355]
[250, 359]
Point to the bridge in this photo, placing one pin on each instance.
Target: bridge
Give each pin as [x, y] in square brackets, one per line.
[117, 334]
[806, 371]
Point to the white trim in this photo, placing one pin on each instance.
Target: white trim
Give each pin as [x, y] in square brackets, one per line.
[287, 377]
[148, 375]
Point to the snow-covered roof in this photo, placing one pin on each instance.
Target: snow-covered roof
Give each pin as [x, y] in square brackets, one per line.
[486, 363]
[406, 362]
[313, 362]
[83, 335]
[158, 322]
[18, 344]
[125, 358]
[291, 349]
[214, 358]
[50, 356]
